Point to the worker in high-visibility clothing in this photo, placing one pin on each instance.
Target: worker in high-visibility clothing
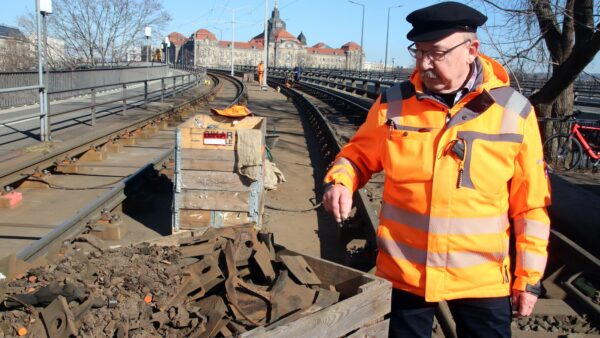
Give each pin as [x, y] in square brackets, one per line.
[261, 73]
[463, 163]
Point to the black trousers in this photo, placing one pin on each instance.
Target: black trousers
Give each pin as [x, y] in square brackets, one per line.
[412, 316]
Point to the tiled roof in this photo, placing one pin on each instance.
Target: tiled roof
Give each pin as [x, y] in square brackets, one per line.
[325, 51]
[11, 32]
[351, 46]
[177, 39]
[283, 35]
[320, 45]
[203, 34]
[242, 45]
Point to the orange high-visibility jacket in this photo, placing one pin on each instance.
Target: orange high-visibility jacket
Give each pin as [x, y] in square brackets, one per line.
[261, 68]
[455, 180]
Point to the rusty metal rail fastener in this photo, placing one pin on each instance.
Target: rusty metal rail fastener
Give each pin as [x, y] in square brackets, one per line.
[58, 319]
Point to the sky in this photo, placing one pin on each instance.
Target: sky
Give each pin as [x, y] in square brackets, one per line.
[333, 22]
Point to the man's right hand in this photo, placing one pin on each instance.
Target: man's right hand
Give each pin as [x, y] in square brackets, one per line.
[338, 201]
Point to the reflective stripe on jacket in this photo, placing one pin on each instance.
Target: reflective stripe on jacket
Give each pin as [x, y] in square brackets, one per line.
[455, 180]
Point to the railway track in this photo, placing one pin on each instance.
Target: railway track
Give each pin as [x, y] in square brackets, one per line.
[114, 183]
[571, 304]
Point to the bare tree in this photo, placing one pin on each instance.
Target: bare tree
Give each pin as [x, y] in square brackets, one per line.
[101, 31]
[562, 36]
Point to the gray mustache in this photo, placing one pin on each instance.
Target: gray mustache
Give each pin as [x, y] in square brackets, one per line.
[429, 74]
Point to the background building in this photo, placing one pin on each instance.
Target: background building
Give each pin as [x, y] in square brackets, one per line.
[15, 53]
[284, 49]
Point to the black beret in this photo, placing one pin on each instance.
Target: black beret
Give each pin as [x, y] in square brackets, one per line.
[440, 20]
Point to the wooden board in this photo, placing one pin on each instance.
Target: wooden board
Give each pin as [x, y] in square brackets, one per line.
[207, 164]
[215, 200]
[198, 219]
[208, 154]
[379, 329]
[212, 180]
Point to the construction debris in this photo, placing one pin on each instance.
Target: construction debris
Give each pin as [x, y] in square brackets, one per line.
[221, 283]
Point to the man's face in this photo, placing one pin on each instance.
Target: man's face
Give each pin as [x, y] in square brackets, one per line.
[447, 74]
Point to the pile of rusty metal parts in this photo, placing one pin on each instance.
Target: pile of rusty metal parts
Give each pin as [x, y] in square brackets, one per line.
[221, 283]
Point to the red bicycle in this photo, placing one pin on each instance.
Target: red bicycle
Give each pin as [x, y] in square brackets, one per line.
[564, 152]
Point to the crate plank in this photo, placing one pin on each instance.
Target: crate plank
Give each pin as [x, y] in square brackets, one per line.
[215, 200]
[377, 330]
[338, 319]
[212, 180]
[207, 164]
[208, 154]
[197, 219]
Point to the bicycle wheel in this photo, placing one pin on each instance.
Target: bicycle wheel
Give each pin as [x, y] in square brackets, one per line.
[562, 152]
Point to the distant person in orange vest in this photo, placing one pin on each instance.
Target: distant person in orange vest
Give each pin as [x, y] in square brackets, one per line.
[261, 73]
[463, 162]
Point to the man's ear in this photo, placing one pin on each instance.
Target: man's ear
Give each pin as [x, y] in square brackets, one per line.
[473, 51]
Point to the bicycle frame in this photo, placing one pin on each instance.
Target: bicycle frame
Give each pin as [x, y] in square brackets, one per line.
[575, 130]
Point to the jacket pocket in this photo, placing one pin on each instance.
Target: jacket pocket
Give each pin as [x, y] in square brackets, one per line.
[409, 155]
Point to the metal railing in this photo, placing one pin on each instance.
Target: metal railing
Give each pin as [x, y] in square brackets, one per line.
[169, 86]
[371, 84]
[63, 84]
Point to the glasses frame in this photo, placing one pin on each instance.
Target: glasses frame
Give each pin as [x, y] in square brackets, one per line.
[434, 55]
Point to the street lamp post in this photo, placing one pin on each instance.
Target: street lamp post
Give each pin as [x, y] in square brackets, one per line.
[148, 34]
[167, 46]
[232, 41]
[362, 31]
[44, 7]
[265, 46]
[387, 34]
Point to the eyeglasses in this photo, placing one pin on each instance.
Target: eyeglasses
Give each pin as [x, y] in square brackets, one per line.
[434, 55]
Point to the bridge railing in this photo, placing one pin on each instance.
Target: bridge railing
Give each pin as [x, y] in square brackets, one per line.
[170, 85]
[63, 84]
[371, 84]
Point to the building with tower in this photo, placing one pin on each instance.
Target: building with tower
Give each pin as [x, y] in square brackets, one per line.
[203, 48]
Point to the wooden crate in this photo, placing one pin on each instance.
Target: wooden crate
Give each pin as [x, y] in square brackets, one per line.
[364, 301]
[208, 190]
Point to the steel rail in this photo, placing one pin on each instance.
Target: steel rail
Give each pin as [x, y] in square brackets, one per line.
[237, 82]
[109, 200]
[10, 175]
[91, 213]
[331, 146]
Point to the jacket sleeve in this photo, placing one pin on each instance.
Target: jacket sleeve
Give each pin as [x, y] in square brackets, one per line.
[528, 199]
[361, 156]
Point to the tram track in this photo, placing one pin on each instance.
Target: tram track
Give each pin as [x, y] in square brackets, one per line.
[570, 304]
[87, 181]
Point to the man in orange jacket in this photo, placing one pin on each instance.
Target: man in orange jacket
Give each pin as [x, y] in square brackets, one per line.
[462, 155]
[261, 73]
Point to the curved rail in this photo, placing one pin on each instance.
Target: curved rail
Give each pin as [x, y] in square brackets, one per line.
[330, 145]
[79, 222]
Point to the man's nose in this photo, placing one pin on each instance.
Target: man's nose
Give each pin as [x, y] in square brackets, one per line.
[424, 63]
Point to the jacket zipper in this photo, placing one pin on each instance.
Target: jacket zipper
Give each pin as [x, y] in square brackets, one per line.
[504, 271]
[461, 165]
[460, 175]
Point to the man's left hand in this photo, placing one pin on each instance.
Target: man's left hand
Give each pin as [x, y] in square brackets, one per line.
[523, 302]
